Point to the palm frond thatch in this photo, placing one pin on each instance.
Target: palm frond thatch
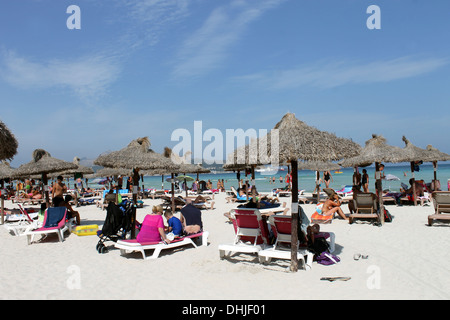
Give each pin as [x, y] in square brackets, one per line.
[293, 139]
[375, 150]
[42, 162]
[318, 166]
[137, 155]
[436, 155]
[8, 143]
[5, 170]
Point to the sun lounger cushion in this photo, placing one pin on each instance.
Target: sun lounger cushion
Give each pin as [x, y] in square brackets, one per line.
[54, 216]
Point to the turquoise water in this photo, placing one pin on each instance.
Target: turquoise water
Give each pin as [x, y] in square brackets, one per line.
[307, 178]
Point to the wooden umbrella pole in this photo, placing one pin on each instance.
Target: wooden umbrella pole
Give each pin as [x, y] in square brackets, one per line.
[253, 184]
[2, 202]
[3, 207]
[173, 193]
[135, 191]
[294, 223]
[413, 184]
[434, 184]
[379, 192]
[45, 182]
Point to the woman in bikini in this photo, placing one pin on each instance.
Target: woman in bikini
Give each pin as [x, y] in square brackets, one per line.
[333, 205]
[327, 177]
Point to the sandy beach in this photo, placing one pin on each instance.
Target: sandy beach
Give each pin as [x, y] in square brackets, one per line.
[406, 260]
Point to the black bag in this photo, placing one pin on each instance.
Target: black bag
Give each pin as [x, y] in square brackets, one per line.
[387, 216]
[320, 245]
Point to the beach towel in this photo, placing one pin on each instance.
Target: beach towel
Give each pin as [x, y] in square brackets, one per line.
[319, 217]
[327, 259]
[54, 216]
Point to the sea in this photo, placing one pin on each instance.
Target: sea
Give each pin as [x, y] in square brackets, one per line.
[306, 178]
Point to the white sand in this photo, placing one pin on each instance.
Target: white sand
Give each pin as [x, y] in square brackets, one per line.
[407, 260]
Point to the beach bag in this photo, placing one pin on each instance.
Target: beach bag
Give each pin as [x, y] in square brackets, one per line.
[387, 216]
[319, 246]
[327, 259]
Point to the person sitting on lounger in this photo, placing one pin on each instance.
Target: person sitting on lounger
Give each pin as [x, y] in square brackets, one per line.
[241, 195]
[409, 192]
[174, 223]
[60, 202]
[152, 228]
[333, 205]
[191, 218]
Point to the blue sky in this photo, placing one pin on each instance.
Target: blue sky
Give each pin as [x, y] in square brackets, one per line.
[148, 67]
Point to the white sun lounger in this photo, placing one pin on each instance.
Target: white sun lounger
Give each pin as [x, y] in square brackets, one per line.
[24, 224]
[157, 247]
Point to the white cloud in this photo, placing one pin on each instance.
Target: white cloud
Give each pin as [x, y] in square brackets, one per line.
[150, 19]
[206, 48]
[329, 75]
[86, 76]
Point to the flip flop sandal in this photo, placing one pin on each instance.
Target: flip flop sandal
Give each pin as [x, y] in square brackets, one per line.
[356, 256]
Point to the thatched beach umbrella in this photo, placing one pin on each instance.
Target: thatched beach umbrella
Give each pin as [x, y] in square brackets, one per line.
[378, 151]
[8, 143]
[412, 155]
[80, 169]
[136, 156]
[43, 163]
[292, 140]
[5, 172]
[111, 172]
[434, 156]
[235, 167]
[318, 166]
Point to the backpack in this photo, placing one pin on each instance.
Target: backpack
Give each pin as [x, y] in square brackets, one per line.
[319, 246]
[387, 216]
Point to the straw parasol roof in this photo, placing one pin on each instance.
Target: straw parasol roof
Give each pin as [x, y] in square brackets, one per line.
[318, 165]
[296, 140]
[137, 155]
[80, 169]
[436, 155]
[42, 162]
[5, 170]
[413, 153]
[109, 172]
[375, 150]
[8, 143]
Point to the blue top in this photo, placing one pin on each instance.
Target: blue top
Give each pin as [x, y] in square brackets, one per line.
[176, 225]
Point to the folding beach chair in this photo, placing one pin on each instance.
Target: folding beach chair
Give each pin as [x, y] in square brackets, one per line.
[365, 204]
[281, 228]
[441, 202]
[54, 222]
[251, 233]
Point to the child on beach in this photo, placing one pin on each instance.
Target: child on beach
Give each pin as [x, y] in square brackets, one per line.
[174, 223]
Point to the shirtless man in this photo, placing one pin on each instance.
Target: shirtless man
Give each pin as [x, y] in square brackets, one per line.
[58, 188]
